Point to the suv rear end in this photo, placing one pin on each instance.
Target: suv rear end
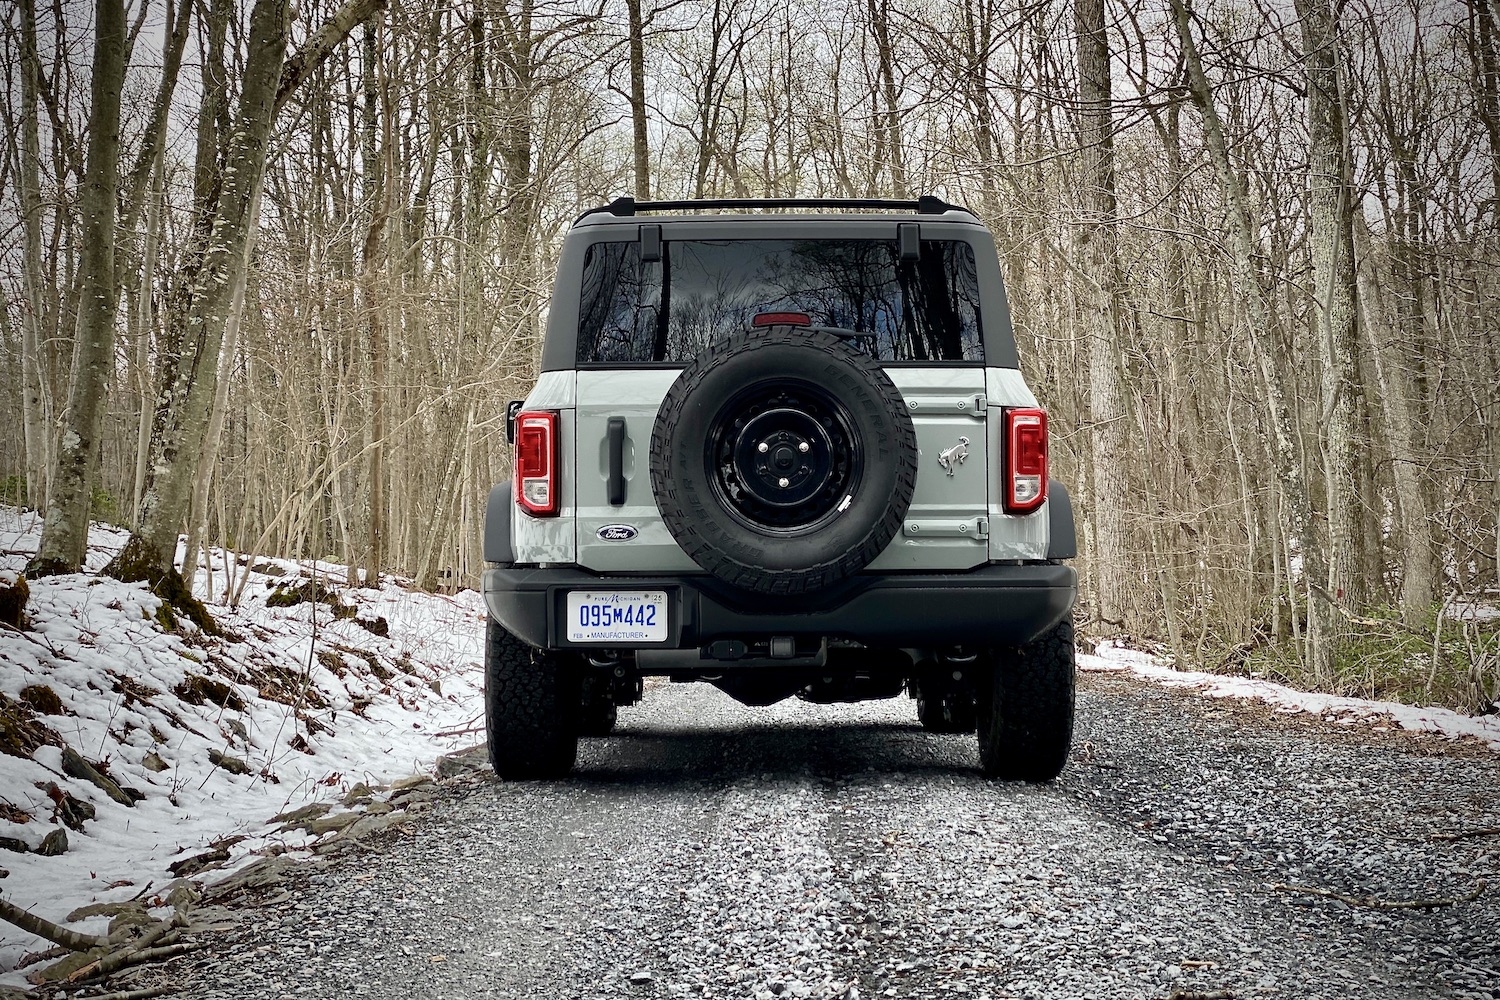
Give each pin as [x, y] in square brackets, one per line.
[791, 454]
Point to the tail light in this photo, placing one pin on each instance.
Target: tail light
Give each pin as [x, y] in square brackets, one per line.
[536, 463]
[1025, 460]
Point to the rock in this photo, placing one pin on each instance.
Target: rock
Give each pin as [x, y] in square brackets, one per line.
[262, 874]
[410, 781]
[12, 844]
[238, 728]
[54, 844]
[360, 794]
[378, 808]
[152, 762]
[14, 593]
[331, 824]
[231, 764]
[367, 825]
[206, 861]
[136, 795]
[41, 699]
[472, 759]
[412, 797]
[183, 894]
[63, 968]
[437, 686]
[4, 873]
[310, 811]
[69, 810]
[74, 766]
[641, 978]
[101, 910]
[129, 920]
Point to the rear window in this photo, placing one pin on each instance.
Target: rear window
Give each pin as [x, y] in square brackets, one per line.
[670, 311]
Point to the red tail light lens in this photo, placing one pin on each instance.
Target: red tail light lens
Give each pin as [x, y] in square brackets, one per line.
[781, 319]
[536, 463]
[1025, 460]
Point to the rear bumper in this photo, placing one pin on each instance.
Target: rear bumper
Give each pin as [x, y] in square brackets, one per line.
[990, 605]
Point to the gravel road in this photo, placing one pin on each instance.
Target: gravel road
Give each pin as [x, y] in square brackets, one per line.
[710, 850]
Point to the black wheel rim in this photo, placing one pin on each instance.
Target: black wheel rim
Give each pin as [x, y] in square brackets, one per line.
[783, 457]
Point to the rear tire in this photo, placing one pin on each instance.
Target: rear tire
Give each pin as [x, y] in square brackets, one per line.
[531, 702]
[1026, 708]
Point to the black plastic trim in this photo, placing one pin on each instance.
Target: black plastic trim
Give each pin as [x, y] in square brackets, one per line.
[650, 243]
[497, 540]
[625, 207]
[993, 604]
[909, 239]
[1062, 539]
[615, 438]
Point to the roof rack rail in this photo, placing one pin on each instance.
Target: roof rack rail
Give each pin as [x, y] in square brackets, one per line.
[925, 205]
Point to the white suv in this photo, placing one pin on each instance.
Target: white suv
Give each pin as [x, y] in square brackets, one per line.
[787, 454]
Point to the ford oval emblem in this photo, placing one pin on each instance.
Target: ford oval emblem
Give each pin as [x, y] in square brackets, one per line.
[617, 532]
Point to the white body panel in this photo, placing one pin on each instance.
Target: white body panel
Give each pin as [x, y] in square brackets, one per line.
[955, 521]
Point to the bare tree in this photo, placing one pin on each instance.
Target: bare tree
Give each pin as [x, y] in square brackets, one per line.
[1097, 282]
[65, 529]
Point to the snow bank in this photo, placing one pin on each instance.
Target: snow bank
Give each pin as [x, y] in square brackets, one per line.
[300, 707]
[1443, 721]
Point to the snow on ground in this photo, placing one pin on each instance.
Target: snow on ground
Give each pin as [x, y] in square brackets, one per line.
[311, 706]
[1442, 721]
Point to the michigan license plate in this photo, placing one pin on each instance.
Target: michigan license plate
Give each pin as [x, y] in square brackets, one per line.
[617, 616]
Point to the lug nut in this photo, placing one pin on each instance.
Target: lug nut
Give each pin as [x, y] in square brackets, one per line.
[763, 448]
[804, 447]
[784, 482]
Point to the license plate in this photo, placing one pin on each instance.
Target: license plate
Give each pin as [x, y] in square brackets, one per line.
[617, 616]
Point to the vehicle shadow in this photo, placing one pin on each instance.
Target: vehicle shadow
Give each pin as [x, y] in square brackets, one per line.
[663, 757]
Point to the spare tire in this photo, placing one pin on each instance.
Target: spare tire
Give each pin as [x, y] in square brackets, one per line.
[783, 460]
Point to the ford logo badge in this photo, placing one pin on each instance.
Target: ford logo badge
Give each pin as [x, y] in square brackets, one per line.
[617, 532]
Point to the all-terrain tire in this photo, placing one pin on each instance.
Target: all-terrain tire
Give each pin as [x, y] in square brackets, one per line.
[531, 707]
[1026, 708]
[880, 443]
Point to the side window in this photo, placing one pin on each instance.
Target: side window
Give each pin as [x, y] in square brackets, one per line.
[618, 316]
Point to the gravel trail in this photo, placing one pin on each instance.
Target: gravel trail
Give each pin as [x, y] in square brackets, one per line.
[710, 850]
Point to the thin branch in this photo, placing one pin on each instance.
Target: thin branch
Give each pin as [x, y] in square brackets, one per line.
[43, 928]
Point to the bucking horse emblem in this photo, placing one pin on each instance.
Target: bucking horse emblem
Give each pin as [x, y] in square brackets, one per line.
[950, 457]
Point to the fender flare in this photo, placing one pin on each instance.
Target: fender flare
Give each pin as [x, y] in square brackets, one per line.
[1062, 541]
[497, 533]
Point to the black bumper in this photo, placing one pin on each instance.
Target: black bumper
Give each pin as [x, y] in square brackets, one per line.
[991, 605]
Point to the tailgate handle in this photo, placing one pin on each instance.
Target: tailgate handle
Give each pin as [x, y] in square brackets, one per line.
[615, 436]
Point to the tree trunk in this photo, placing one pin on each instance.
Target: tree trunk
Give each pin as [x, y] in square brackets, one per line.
[1331, 240]
[1241, 237]
[36, 398]
[65, 529]
[890, 126]
[1098, 302]
[198, 323]
[1418, 568]
[638, 101]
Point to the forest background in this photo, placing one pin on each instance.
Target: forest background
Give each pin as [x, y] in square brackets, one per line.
[269, 275]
